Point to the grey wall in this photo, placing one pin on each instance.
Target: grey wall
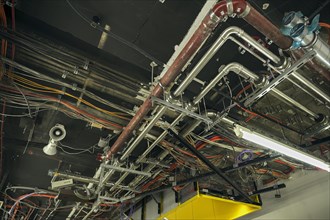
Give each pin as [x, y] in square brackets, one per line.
[306, 197]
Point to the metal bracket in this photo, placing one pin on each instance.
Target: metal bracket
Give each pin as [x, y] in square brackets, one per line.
[309, 55]
[181, 110]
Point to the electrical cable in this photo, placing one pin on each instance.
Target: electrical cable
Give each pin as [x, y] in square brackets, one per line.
[91, 118]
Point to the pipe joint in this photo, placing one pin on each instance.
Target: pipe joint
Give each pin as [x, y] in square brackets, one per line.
[245, 12]
[284, 63]
[261, 81]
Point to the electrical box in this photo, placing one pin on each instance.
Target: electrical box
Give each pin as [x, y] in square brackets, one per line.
[209, 207]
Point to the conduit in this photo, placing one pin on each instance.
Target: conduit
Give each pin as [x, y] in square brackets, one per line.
[202, 33]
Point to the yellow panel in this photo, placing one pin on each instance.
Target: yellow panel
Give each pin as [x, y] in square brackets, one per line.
[209, 207]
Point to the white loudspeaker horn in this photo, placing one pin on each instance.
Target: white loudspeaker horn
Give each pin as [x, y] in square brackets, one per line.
[57, 133]
[50, 148]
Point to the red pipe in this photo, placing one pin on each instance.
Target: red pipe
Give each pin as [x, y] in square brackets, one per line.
[221, 10]
[202, 33]
[267, 28]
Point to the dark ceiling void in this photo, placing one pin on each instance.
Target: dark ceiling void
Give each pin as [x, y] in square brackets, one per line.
[95, 119]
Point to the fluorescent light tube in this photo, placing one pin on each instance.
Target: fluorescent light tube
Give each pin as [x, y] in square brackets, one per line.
[280, 147]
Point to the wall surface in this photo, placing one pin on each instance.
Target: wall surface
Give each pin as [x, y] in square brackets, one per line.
[306, 196]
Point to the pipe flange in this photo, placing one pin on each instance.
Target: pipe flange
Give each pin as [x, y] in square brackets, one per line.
[190, 107]
[284, 63]
[245, 12]
[311, 44]
[262, 81]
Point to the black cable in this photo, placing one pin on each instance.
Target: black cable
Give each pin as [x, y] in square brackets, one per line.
[318, 10]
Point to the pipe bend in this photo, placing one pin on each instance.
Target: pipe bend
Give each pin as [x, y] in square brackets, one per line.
[241, 70]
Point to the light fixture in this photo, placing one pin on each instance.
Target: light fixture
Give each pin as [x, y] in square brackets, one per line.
[56, 133]
[280, 147]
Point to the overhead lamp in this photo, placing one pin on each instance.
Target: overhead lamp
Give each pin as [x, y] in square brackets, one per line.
[279, 147]
[56, 133]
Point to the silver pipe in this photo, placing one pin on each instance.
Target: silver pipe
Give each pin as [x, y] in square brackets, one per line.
[295, 75]
[224, 70]
[310, 85]
[148, 168]
[159, 139]
[145, 131]
[312, 41]
[215, 47]
[190, 128]
[322, 50]
[289, 100]
[147, 151]
[84, 179]
[121, 179]
[121, 169]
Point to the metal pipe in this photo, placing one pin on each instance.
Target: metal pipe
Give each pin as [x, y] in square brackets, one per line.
[216, 46]
[224, 70]
[267, 28]
[264, 26]
[202, 33]
[145, 131]
[236, 67]
[296, 75]
[210, 164]
[226, 34]
[289, 100]
[148, 169]
[160, 138]
[121, 169]
[191, 127]
[322, 50]
[201, 176]
[85, 179]
[313, 65]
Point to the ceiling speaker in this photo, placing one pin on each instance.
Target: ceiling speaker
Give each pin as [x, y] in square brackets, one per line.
[50, 148]
[57, 133]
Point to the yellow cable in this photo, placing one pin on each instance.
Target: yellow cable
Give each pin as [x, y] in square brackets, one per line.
[47, 89]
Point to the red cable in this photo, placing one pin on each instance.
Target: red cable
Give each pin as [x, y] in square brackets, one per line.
[82, 112]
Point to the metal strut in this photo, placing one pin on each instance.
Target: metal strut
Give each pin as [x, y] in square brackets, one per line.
[209, 164]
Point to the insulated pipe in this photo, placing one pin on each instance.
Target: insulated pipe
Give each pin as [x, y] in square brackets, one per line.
[202, 33]
[267, 28]
[264, 26]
